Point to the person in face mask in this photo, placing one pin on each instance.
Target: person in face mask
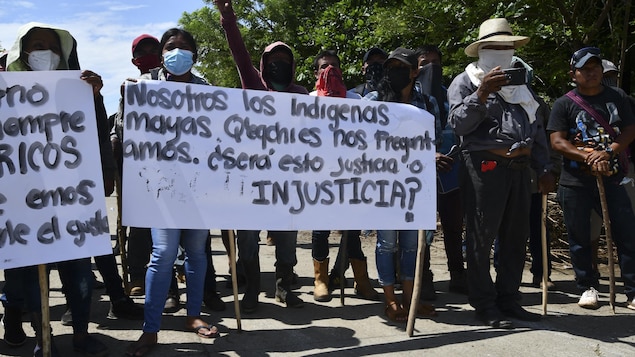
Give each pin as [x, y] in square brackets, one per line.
[372, 70]
[502, 135]
[329, 83]
[277, 71]
[41, 47]
[397, 85]
[179, 52]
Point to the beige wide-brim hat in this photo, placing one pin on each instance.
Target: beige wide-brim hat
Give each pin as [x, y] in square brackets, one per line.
[495, 30]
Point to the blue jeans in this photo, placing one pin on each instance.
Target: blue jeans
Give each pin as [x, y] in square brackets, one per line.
[165, 245]
[577, 203]
[385, 249]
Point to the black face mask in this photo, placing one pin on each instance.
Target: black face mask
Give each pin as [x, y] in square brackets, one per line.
[278, 73]
[431, 78]
[374, 72]
[399, 78]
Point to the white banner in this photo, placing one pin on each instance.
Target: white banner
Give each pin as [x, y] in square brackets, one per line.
[52, 205]
[200, 156]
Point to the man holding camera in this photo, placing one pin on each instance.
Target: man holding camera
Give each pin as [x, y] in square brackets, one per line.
[501, 125]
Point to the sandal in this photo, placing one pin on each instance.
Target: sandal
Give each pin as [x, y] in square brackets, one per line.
[213, 331]
[395, 312]
[141, 347]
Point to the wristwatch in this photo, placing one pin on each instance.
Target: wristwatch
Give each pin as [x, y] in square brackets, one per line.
[610, 151]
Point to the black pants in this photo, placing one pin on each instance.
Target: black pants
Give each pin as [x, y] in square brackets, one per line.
[496, 197]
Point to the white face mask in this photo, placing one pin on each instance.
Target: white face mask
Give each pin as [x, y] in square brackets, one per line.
[488, 59]
[44, 60]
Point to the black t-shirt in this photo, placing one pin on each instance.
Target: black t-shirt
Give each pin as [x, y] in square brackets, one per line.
[582, 129]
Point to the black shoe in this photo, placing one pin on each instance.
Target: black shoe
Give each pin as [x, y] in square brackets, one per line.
[536, 282]
[90, 347]
[213, 301]
[172, 304]
[67, 318]
[493, 318]
[39, 352]
[126, 309]
[516, 311]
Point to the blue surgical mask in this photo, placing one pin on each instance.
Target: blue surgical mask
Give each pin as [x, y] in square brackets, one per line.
[178, 61]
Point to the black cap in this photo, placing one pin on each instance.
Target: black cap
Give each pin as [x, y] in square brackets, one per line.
[375, 51]
[404, 55]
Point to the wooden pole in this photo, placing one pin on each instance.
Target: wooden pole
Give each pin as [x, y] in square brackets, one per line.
[545, 258]
[121, 236]
[343, 264]
[414, 302]
[609, 240]
[46, 318]
[232, 267]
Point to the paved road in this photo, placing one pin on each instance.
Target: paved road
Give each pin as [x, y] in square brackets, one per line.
[359, 328]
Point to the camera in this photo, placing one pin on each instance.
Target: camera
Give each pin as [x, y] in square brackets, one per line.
[516, 76]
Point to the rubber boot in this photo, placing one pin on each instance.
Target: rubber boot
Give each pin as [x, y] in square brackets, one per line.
[251, 268]
[321, 289]
[284, 277]
[14, 335]
[363, 287]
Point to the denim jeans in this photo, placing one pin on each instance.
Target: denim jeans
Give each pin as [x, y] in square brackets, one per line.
[165, 245]
[577, 203]
[388, 243]
[248, 247]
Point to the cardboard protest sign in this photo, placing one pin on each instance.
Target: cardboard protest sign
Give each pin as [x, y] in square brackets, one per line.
[200, 156]
[52, 205]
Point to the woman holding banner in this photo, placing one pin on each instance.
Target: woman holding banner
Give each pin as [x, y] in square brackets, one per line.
[179, 52]
[40, 47]
[397, 85]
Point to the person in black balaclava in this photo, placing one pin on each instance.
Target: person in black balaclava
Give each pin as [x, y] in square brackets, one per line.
[372, 69]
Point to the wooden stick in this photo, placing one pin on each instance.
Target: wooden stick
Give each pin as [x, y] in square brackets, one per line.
[609, 240]
[121, 236]
[414, 302]
[232, 267]
[343, 264]
[46, 318]
[545, 258]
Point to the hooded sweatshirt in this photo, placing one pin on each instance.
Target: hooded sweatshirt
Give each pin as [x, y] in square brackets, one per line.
[68, 61]
[250, 77]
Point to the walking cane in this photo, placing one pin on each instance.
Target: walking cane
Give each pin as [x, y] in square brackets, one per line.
[609, 240]
[343, 264]
[414, 302]
[545, 261]
[46, 319]
[232, 267]
[121, 235]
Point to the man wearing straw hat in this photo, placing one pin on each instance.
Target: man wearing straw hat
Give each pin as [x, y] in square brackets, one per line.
[501, 126]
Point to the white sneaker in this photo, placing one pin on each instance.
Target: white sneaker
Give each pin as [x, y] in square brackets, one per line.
[631, 304]
[589, 299]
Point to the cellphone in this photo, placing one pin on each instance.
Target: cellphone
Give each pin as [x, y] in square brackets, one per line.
[516, 76]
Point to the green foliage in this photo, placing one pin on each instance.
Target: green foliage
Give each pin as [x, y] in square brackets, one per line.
[556, 28]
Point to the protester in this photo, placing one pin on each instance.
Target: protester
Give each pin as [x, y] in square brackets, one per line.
[430, 82]
[329, 83]
[592, 126]
[41, 47]
[277, 72]
[179, 53]
[502, 134]
[397, 85]
[372, 70]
